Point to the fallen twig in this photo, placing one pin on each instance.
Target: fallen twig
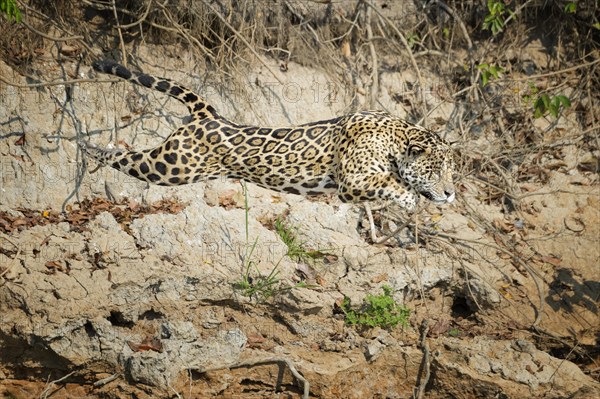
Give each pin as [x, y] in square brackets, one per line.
[304, 384]
[106, 380]
[392, 234]
[425, 369]
[46, 392]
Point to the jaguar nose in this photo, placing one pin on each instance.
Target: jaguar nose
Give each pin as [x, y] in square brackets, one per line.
[450, 195]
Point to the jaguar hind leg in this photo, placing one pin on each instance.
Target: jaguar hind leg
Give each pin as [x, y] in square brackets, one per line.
[153, 165]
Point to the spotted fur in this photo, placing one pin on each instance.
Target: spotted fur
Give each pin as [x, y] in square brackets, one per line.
[362, 156]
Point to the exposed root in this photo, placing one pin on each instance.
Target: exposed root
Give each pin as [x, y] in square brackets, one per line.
[281, 362]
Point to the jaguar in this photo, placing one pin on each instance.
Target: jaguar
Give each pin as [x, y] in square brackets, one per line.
[362, 156]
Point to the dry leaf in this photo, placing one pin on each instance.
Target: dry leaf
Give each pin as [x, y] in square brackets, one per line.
[574, 224]
[379, 278]
[228, 199]
[321, 281]
[19, 222]
[255, 341]
[346, 51]
[502, 225]
[504, 292]
[439, 327]
[330, 258]
[552, 260]
[339, 302]
[124, 144]
[6, 225]
[148, 343]
[556, 165]
[69, 51]
[53, 266]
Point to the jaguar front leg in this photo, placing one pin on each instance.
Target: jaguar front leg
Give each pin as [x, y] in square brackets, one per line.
[381, 186]
[361, 187]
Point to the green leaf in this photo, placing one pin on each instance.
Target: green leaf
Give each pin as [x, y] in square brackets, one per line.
[485, 76]
[596, 25]
[571, 8]
[496, 70]
[564, 100]
[544, 104]
[531, 86]
[546, 100]
[488, 71]
[454, 332]
[541, 106]
[553, 108]
[9, 7]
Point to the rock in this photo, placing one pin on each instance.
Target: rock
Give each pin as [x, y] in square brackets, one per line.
[480, 295]
[524, 370]
[372, 349]
[305, 301]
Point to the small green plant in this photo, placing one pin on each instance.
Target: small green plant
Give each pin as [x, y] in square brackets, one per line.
[546, 104]
[494, 21]
[412, 39]
[264, 287]
[489, 71]
[446, 33]
[377, 311]
[261, 287]
[543, 104]
[454, 332]
[296, 248]
[10, 9]
[571, 7]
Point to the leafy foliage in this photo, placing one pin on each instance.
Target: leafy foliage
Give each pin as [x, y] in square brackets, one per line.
[454, 332]
[494, 21]
[10, 9]
[377, 311]
[544, 104]
[488, 71]
[571, 7]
